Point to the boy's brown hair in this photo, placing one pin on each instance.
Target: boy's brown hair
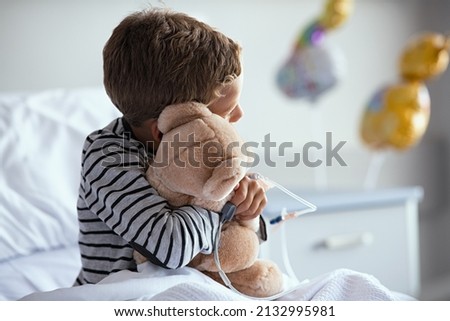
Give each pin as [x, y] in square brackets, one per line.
[157, 57]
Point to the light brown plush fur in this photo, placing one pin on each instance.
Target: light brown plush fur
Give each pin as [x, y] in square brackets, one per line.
[209, 182]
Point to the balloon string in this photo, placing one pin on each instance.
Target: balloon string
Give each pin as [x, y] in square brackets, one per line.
[373, 172]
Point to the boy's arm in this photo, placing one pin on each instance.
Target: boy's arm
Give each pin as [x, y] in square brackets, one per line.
[115, 190]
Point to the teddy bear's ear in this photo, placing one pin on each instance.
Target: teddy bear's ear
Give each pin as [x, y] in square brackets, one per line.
[179, 114]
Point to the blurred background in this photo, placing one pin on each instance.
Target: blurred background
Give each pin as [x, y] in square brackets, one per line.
[58, 44]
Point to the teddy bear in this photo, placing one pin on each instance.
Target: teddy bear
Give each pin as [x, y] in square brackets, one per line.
[203, 170]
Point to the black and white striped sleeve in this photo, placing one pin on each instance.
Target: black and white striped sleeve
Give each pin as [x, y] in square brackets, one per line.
[116, 191]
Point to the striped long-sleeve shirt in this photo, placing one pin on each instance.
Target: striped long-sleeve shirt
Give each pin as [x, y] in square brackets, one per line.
[119, 211]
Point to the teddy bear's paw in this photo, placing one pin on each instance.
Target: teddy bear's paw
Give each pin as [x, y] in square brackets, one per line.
[238, 249]
[262, 279]
[224, 178]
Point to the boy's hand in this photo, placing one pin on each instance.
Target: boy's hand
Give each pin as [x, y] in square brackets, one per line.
[249, 198]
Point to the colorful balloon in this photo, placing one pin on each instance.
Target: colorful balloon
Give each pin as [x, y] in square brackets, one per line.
[397, 116]
[313, 68]
[336, 13]
[310, 72]
[425, 57]
[312, 35]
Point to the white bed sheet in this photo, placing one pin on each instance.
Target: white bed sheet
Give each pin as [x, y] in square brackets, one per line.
[40, 271]
[187, 284]
[49, 275]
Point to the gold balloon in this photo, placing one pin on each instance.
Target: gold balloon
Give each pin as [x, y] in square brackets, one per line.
[425, 57]
[336, 13]
[399, 118]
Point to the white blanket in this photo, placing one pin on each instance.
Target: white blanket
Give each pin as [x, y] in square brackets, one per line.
[187, 284]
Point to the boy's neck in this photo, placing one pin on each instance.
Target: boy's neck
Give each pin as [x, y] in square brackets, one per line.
[146, 134]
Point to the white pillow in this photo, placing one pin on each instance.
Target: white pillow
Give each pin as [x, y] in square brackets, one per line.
[41, 138]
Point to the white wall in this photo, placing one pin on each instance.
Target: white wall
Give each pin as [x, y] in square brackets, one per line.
[58, 43]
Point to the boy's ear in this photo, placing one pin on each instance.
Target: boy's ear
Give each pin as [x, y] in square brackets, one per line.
[157, 135]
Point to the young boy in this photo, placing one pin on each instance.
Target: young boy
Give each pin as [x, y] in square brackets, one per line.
[153, 59]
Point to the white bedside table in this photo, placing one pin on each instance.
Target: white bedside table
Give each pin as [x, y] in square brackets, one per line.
[374, 232]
